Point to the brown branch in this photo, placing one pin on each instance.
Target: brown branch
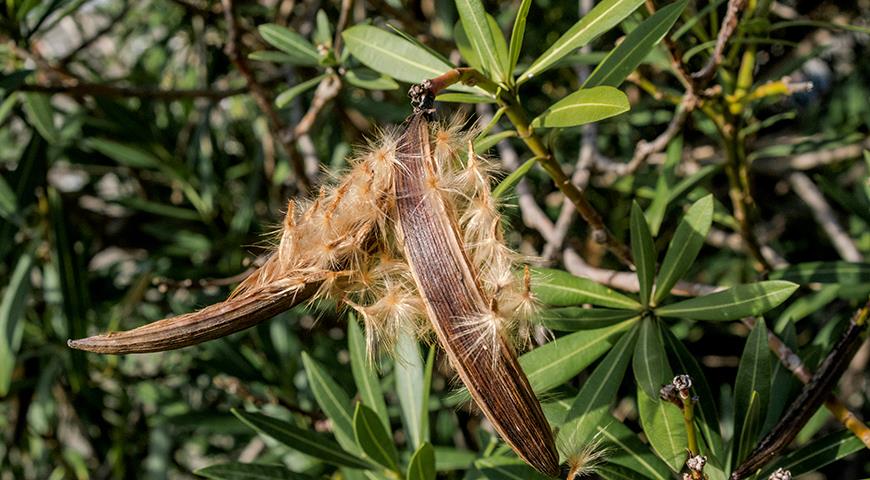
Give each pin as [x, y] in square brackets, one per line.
[729, 25]
[261, 97]
[824, 215]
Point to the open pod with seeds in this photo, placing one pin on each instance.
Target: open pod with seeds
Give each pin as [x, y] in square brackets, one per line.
[411, 239]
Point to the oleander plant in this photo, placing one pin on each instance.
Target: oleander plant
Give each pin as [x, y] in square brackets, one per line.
[397, 240]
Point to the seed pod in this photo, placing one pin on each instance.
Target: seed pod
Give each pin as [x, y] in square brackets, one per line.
[453, 298]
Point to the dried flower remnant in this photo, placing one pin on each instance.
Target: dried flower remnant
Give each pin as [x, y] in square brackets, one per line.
[411, 239]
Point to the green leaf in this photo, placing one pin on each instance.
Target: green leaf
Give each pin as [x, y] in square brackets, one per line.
[554, 363]
[392, 55]
[684, 247]
[517, 34]
[427, 387]
[369, 79]
[844, 273]
[753, 382]
[463, 98]
[323, 30]
[664, 428]
[655, 212]
[477, 29]
[333, 400]
[125, 154]
[249, 471]
[40, 114]
[817, 454]
[447, 458]
[650, 362]
[409, 388]
[584, 106]
[571, 319]
[643, 251]
[422, 464]
[364, 372]
[481, 145]
[12, 306]
[8, 201]
[600, 19]
[512, 179]
[289, 42]
[373, 439]
[623, 59]
[287, 96]
[734, 303]
[468, 53]
[315, 444]
[592, 405]
[557, 288]
[501, 49]
[505, 468]
[274, 56]
[630, 452]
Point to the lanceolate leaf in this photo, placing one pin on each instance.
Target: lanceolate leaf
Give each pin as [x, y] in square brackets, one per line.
[554, 363]
[12, 305]
[373, 439]
[513, 178]
[289, 42]
[736, 302]
[684, 247]
[584, 106]
[308, 442]
[630, 452]
[391, 54]
[571, 319]
[592, 405]
[558, 288]
[364, 374]
[288, 95]
[477, 30]
[753, 381]
[817, 454]
[600, 19]
[409, 387]
[650, 362]
[643, 251]
[333, 400]
[422, 464]
[623, 59]
[517, 34]
[664, 428]
[506, 468]
[40, 114]
[844, 273]
[249, 471]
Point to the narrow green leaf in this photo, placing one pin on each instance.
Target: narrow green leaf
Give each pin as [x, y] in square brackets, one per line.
[249, 471]
[817, 454]
[501, 49]
[557, 288]
[584, 106]
[311, 443]
[323, 29]
[333, 400]
[481, 145]
[422, 464]
[664, 428]
[610, 471]
[373, 439]
[623, 59]
[592, 405]
[469, 54]
[289, 42]
[643, 251]
[684, 247]
[517, 34]
[12, 305]
[512, 179]
[364, 374]
[274, 56]
[392, 55]
[409, 387]
[8, 201]
[447, 459]
[40, 114]
[600, 19]
[125, 154]
[554, 363]
[630, 452]
[369, 79]
[476, 26]
[427, 387]
[734, 303]
[844, 273]
[464, 98]
[287, 96]
[506, 468]
[571, 319]
[753, 380]
[667, 177]
[650, 362]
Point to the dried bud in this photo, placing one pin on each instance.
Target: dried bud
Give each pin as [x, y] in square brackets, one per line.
[696, 463]
[780, 474]
[682, 383]
[668, 393]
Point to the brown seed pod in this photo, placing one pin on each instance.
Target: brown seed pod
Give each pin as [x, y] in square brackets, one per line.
[451, 295]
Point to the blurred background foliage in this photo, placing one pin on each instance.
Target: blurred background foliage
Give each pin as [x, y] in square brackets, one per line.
[139, 179]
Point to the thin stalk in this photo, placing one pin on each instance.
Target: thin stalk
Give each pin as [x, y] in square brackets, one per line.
[689, 419]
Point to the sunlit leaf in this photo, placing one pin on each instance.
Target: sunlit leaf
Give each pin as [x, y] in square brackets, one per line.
[733, 303]
[12, 305]
[643, 251]
[584, 106]
[333, 400]
[517, 34]
[571, 319]
[249, 471]
[650, 361]
[364, 373]
[558, 288]
[664, 428]
[373, 439]
[289, 42]
[684, 247]
[287, 96]
[752, 385]
[422, 464]
[844, 273]
[409, 387]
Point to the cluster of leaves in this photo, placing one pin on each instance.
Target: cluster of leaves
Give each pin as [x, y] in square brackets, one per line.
[107, 203]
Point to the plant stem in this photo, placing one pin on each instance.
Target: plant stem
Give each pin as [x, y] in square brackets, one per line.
[689, 418]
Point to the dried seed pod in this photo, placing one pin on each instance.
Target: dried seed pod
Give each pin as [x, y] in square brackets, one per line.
[451, 295]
